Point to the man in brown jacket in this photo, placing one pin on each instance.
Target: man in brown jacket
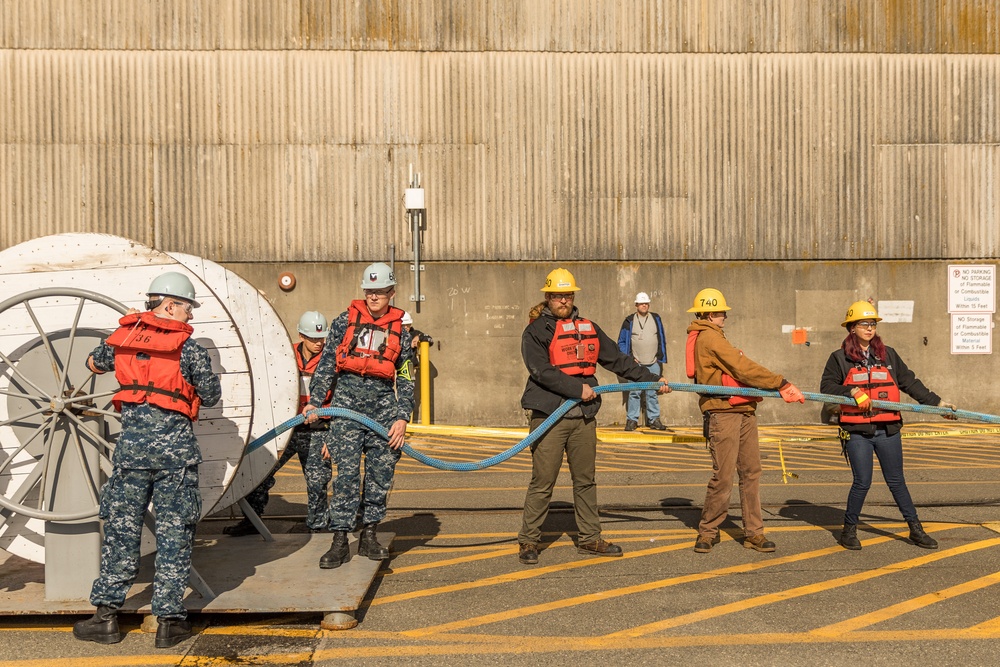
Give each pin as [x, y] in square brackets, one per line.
[730, 422]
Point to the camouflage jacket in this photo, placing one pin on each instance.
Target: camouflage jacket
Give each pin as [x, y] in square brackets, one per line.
[382, 400]
[153, 438]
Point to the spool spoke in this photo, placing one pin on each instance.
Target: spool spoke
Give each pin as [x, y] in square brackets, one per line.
[94, 437]
[89, 475]
[27, 441]
[8, 422]
[21, 375]
[43, 462]
[27, 397]
[72, 339]
[57, 371]
[87, 397]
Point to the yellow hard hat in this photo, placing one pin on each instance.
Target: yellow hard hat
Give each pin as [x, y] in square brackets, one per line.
[709, 300]
[860, 310]
[560, 280]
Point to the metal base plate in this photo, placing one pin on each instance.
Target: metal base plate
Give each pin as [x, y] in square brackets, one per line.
[247, 574]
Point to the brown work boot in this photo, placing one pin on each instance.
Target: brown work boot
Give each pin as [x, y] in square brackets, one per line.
[703, 545]
[527, 553]
[759, 543]
[599, 548]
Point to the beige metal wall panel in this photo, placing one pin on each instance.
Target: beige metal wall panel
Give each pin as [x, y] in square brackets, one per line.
[910, 203]
[520, 174]
[909, 103]
[810, 175]
[972, 202]
[970, 110]
[557, 26]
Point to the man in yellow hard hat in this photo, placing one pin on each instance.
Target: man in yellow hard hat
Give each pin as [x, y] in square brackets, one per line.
[730, 422]
[561, 351]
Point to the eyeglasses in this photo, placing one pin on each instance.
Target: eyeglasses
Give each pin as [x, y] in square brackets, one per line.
[866, 325]
[188, 308]
[562, 297]
[378, 292]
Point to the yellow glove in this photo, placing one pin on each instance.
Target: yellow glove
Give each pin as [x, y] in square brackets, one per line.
[862, 399]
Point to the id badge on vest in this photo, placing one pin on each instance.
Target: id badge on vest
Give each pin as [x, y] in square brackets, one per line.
[371, 340]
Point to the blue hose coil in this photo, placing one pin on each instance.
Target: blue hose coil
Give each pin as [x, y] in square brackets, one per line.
[568, 405]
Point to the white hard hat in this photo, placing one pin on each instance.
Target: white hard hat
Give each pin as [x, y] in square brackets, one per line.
[406, 318]
[642, 297]
[312, 324]
[173, 284]
[377, 276]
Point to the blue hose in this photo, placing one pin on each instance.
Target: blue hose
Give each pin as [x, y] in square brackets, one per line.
[568, 404]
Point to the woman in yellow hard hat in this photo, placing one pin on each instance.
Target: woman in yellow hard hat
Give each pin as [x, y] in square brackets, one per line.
[866, 369]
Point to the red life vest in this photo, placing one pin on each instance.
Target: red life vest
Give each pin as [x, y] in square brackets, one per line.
[727, 380]
[156, 377]
[370, 346]
[306, 370]
[879, 384]
[575, 347]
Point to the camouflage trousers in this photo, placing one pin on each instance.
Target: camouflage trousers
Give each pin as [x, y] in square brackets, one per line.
[308, 445]
[177, 504]
[347, 441]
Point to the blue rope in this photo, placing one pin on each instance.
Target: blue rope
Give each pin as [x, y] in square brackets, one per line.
[569, 404]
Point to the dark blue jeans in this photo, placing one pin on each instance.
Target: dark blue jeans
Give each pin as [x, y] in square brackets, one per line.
[889, 449]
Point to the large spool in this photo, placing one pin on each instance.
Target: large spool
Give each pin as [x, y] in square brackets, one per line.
[60, 296]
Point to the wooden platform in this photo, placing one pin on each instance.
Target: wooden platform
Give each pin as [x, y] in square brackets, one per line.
[247, 575]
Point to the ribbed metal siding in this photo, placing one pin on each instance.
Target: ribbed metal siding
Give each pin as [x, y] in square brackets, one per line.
[282, 156]
[558, 26]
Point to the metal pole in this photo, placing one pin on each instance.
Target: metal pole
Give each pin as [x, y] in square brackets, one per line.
[425, 383]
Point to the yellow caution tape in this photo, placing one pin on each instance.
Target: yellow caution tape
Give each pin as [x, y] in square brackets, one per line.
[784, 471]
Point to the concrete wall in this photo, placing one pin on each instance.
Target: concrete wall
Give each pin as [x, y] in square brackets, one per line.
[477, 311]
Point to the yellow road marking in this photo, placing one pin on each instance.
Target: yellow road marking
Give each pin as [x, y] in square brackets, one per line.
[800, 591]
[907, 606]
[521, 575]
[639, 588]
[519, 646]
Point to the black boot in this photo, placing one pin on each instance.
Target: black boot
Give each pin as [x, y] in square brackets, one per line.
[369, 546]
[920, 538]
[102, 627]
[244, 527]
[849, 537]
[171, 632]
[338, 553]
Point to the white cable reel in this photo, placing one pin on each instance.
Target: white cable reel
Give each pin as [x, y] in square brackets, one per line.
[59, 297]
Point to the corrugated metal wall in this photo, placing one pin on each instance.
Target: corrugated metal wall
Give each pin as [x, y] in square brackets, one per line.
[567, 129]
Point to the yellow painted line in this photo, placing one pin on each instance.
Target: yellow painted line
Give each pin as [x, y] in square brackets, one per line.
[800, 591]
[521, 575]
[639, 588]
[511, 550]
[907, 606]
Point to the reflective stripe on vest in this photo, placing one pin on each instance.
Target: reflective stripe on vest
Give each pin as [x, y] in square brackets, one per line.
[574, 348]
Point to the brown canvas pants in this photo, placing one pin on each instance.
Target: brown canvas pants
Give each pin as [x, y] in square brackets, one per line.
[732, 440]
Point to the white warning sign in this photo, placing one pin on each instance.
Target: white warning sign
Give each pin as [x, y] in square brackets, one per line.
[972, 333]
[972, 288]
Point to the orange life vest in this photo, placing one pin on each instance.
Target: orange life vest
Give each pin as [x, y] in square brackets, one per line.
[155, 376]
[727, 380]
[370, 346]
[306, 370]
[575, 347]
[879, 384]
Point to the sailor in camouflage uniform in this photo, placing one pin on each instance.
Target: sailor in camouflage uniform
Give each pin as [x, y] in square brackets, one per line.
[368, 359]
[312, 330]
[165, 376]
